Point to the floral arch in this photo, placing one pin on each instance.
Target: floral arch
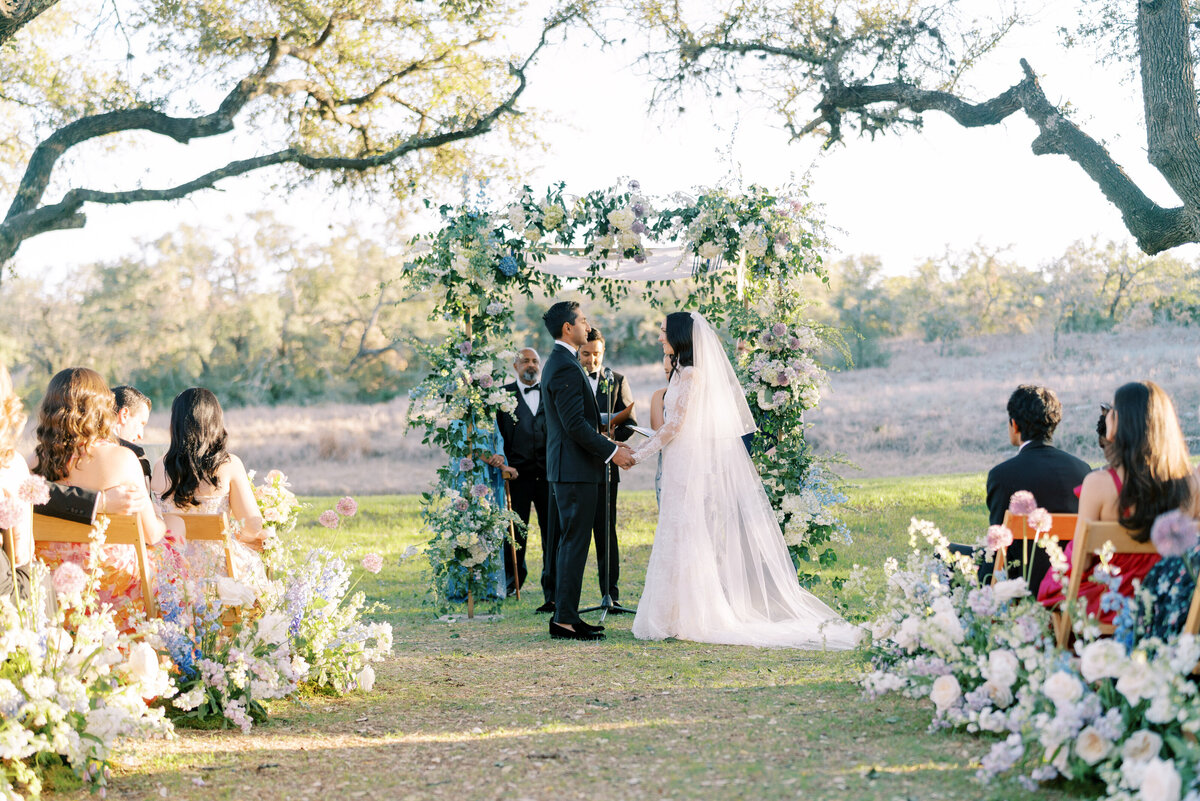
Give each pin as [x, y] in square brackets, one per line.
[742, 256]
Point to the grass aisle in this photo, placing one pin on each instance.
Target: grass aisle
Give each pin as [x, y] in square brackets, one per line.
[491, 710]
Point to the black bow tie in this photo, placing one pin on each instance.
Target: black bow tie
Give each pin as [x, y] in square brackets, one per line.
[534, 388]
[594, 375]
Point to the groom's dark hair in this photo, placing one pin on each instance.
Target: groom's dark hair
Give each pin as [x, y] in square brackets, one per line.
[1036, 411]
[558, 315]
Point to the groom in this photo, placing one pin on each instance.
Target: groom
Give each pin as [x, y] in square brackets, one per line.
[575, 462]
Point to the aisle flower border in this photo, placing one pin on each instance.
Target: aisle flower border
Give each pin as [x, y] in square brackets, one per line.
[481, 258]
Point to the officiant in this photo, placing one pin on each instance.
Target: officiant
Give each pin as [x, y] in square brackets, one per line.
[607, 385]
[524, 434]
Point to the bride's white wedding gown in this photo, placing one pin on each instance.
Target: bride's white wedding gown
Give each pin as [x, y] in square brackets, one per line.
[719, 571]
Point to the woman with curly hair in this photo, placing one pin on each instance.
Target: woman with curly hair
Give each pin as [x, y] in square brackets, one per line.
[199, 476]
[76, 445]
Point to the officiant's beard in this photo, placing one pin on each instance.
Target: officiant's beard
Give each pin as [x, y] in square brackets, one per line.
[529, 376]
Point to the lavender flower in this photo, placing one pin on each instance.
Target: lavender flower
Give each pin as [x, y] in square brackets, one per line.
[485, 382]
[462, 505]
[998, 537]
[1040, 520]
[1022, 502]
[328, 519]
[465, 348]
[1174, 533]
[466, 464]
[779, 330]
[635, 186]
[640, 258]
[479, 491]
[639, 211]
[638, 227]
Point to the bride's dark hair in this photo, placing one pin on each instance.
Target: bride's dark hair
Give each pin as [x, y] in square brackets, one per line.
[197, 445]
[679, 337]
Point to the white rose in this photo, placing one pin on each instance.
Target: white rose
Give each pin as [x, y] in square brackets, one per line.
[1091, 746]
[1102, 659]
[143, 664]
[945, 692]
[1161, 781]
[1062, 688]
[1161, 710]
[907, 636]
[621, 218]
[1142, 746]
[366, 679]
[1000, 695]
[711, 250]
[1136, 682]
[1002, 668]
[234, 593]
[1010, 589]
[273, 628]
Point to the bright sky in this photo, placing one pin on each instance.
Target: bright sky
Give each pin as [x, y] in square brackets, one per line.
[903, 198]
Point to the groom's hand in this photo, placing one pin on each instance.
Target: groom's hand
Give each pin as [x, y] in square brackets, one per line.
[623, 458]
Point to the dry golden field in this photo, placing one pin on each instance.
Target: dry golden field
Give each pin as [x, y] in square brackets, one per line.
[925, 413]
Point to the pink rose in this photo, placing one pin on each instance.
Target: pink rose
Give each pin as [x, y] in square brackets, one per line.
[69, 579]
[346, 507]
[372, 563]
[329, 519]
[998, 537]
[1022, 502]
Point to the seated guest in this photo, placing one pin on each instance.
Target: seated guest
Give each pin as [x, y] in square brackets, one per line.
[199, 476]
[1149, 472]
[133, 412]
[16, 575]
[76, 446]
[1050, 474]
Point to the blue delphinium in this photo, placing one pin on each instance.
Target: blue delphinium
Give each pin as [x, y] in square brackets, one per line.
[508, 266]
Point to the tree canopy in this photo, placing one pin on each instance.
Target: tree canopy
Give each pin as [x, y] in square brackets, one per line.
[830, 68]
[355, 89]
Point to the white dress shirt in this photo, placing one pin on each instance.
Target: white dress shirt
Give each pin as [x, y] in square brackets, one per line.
[533, 398]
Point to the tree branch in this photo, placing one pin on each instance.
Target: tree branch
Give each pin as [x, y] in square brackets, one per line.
[16, 14]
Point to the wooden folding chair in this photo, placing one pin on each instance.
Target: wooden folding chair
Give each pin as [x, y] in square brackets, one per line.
[211, 528]
[1061, 526]
[1095, 535]
[122, 530]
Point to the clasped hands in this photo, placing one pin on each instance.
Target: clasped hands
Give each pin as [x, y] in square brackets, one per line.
[623, 458]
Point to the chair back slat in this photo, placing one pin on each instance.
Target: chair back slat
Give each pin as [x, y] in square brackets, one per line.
[1096, 534]
[212, 528]
[1061, 526]
[122, 530]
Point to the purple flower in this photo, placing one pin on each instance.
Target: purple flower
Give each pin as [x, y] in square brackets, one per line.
[508, 266]
[1174, 533]
[485, 382]
[998, 537]
[372, 563]
[639, 211]
[329, 519]
[779, 329]
[479, 491]
[465, 348]
[794, 342]
[635, 186]
[466, 464]
[462, 505]
[346, 507]
[781, 239]
[1022, 502]
[640, 258]
[638, 227]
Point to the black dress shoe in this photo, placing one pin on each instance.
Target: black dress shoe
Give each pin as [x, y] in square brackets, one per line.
[546, 607]
[558, 632]
[585, 626]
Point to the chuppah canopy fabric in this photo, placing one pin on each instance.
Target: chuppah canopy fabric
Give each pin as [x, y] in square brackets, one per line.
[661, 264]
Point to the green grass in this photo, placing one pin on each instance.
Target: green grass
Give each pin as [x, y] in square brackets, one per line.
[491, 710]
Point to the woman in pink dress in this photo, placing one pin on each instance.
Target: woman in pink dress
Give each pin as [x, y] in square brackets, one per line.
[1150, 472]
[76, 445]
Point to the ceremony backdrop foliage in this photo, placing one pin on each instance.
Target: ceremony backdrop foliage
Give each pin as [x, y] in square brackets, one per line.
[482, 259]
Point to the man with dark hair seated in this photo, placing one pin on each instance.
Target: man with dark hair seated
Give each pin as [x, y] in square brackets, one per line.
[1038, 467]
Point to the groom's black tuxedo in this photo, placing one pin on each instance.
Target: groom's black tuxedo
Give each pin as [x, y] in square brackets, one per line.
[575, 462]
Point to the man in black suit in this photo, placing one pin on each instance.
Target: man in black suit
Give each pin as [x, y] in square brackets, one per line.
[608, 384]
[576, 456]
[1050, 474]
[524, 433]
[133, 412]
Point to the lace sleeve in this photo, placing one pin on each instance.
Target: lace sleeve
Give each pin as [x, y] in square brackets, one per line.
[674, 412]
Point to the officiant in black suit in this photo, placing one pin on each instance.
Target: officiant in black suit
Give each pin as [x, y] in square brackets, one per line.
[576, 455]
[608, 384]
[524, 433]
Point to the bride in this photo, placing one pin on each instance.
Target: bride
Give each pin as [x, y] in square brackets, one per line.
[719, 571]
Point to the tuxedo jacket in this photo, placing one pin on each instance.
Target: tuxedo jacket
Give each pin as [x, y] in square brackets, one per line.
[622, 399]
[524, 433]
[575, 450]
[1050, 474]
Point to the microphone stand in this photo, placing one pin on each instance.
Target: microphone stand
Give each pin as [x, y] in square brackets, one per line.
[606, 602]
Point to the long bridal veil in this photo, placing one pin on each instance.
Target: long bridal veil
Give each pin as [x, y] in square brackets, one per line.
[727, 534]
